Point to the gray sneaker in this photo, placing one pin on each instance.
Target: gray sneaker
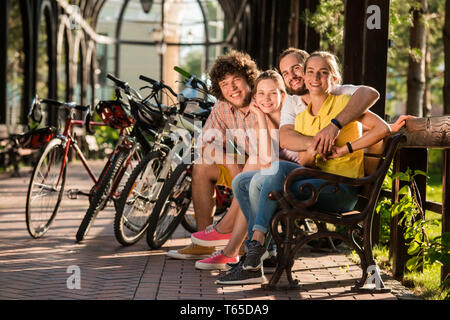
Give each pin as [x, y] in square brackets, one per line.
[241, 276]
[257, 253]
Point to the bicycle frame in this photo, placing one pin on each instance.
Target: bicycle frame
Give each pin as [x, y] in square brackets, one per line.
[69, 141]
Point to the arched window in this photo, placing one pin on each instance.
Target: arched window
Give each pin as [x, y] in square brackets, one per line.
[153, 36]
[63, 67]
[15, 67]
[79, 62]
[42, 67]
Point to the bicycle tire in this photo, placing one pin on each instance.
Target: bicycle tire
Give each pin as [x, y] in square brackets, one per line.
[136, 200]
[46, 170]
[101, 197]
[190, 224]
[176, 193]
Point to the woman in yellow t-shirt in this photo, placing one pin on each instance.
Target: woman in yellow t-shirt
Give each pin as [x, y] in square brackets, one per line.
[321, 74]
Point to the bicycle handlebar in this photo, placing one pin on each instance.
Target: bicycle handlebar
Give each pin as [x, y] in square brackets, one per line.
[69, 105]
[122, 84]
[193, 79]
[72, 105]
[158, 85]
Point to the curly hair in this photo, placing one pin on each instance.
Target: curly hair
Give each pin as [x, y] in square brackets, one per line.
[233, 62]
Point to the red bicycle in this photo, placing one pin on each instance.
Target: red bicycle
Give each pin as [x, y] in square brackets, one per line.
[47, 182]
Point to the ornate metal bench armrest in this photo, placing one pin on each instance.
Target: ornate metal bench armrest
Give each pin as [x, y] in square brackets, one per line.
[331, 180]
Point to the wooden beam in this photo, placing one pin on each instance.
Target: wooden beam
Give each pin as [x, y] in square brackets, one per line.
[430, 132]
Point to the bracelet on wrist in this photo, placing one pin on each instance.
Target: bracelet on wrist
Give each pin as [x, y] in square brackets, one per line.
[349, 146]
[336, 123]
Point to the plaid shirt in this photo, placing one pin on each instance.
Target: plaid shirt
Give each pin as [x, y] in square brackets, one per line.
[226, 119]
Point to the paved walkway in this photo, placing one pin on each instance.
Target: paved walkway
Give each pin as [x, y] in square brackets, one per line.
[45, 268]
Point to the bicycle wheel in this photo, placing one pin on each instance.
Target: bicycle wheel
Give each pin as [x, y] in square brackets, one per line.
[170, 207]
[137, 200]
[101, 197]
[190, 224]
[45, 189]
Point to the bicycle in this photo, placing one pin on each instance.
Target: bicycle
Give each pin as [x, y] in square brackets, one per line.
[176, 196]
[138, 124]
[47, 181]
[145, 182]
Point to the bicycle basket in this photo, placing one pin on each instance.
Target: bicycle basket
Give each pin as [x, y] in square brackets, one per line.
[115, 114]
[36, 138]
[145, 115]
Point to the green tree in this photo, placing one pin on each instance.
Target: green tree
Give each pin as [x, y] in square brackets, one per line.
[193, 62]
[328, 20]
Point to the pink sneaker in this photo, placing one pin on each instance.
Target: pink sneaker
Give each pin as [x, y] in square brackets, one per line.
[210, 237]
[218, 261]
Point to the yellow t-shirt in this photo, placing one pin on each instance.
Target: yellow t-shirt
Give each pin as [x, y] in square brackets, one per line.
[350, 165]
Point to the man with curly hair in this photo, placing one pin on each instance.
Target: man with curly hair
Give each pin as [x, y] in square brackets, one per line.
[232, 76]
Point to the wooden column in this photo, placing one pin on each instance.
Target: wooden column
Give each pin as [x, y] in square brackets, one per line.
[281, 35]
[397, 246]
[414, 159]
[301, 28]
[445, 270]
[421, 133]
[265, 35]
[355, 12]
[4, 19]
[294, 23]
[312, 37]
[375, 51]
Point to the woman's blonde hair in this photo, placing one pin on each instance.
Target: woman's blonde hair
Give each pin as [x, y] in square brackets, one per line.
[272, 75]
[332, 62]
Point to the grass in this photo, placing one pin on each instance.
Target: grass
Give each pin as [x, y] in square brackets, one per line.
[425, 283]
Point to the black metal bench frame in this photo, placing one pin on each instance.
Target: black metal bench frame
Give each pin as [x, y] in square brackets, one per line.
[358, 223]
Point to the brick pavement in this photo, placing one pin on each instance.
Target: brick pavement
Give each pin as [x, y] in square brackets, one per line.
[40, 268]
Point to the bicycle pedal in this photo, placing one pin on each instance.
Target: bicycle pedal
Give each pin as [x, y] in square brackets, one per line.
[72, 194]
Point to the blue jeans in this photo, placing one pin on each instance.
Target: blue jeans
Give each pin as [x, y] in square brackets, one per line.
[252, 188]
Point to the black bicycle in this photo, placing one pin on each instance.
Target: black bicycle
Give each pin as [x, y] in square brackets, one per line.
[145, 182]
[175, 197]
[139, 124]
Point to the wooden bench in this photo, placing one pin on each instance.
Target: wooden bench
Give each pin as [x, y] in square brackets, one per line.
[10, 151]
[358, 223]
